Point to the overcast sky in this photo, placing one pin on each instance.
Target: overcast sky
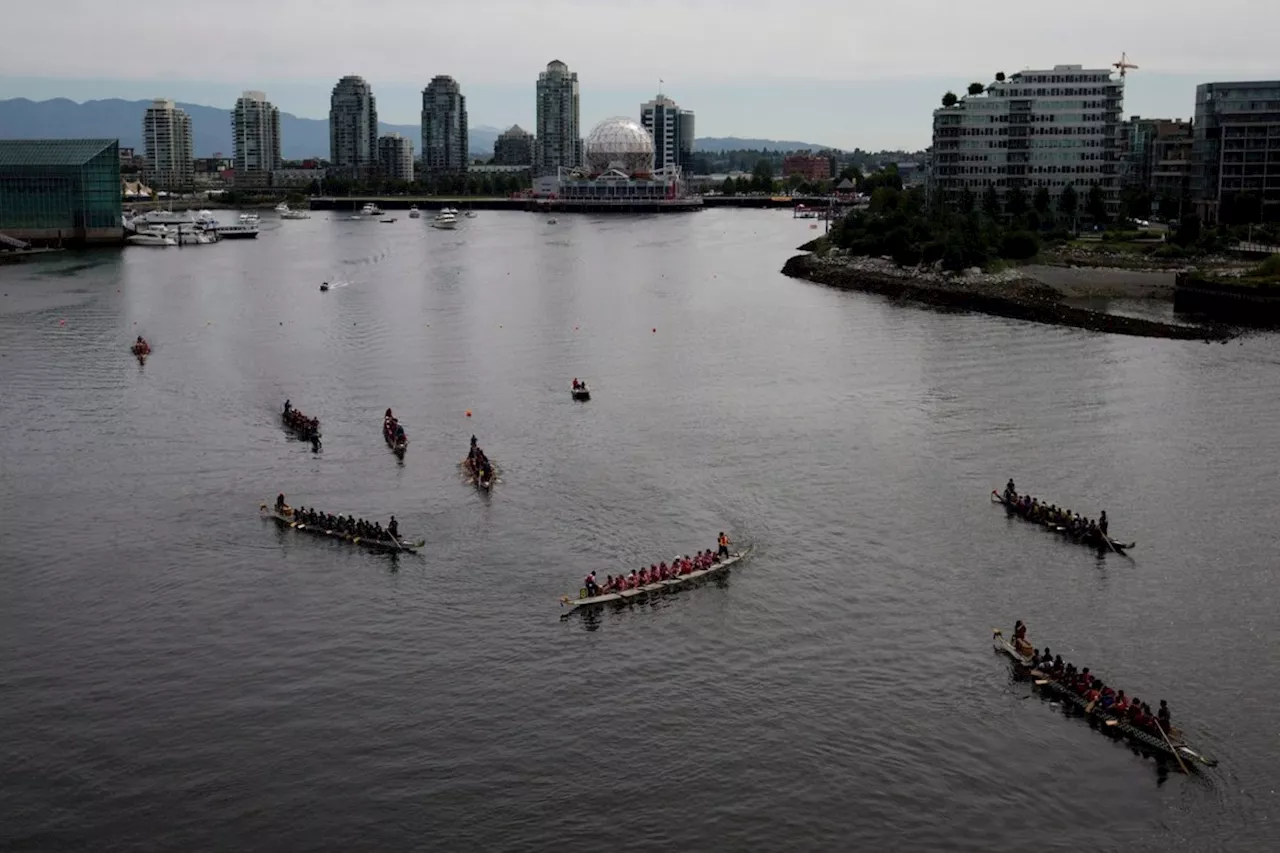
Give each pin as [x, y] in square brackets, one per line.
[839, 72]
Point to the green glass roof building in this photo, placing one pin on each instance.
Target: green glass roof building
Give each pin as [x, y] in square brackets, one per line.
[60, 191]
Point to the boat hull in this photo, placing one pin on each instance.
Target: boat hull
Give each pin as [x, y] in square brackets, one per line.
[581, 395]
[1152, 742]
[386, 546]
[1108, 545]
[658, 588]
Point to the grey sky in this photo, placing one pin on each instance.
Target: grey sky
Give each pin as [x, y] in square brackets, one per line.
[843, 72]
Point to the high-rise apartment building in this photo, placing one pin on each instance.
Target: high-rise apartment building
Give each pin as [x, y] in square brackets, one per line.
[1053, 129]
[255, 126]
[166, 132]
[353, 128]
[671, 129]
[513, 147]
[395, 157]
[1235, 152]
[444, 126]
[558, 138]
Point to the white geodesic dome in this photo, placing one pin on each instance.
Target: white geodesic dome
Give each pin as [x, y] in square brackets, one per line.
[619, 143]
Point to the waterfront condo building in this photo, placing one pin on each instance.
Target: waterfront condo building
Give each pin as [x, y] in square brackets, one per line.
[255, 125]
[1053, 129]
[558, 137]
[395, 157]
[166, 133]
[1235, 152]
[672, 132]
[1157, 159]
[513, 147]
[353, 128]
[444, 126]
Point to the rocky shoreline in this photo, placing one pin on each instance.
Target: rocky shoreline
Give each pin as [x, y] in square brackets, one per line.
[1004, 294]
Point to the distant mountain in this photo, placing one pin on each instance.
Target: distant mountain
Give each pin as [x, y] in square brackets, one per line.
[300, 138]
[716, 144]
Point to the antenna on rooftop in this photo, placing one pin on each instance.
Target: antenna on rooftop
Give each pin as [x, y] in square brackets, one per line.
[1124, 64]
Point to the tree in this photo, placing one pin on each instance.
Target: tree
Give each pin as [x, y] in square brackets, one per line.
[852, 173]
[1097, 204]
[976, 88]
[991, 202]
[1188, 233]
[794, 181]
[1042, 201]
[1068, 202]
[762, 175]
[1015, 201]
[950, 99]
[1000, 76]
[729, 187]
[966, 201]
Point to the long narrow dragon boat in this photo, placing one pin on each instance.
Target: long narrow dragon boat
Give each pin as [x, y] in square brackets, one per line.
[1109, 722]
[1100, 542]
[386, 546]
[657, 588]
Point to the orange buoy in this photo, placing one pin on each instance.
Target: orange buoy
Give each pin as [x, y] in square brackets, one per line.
[468, 413]
[655, 331]
[62, 322]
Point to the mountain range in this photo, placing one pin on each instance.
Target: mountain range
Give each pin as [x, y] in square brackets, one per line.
[300, 138]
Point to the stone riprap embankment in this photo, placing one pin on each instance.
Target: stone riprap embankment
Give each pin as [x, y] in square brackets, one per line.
[1009, 293]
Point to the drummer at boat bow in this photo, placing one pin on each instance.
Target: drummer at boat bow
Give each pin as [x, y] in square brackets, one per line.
[723, 542]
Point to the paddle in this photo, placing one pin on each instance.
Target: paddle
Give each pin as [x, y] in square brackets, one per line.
[395, 540]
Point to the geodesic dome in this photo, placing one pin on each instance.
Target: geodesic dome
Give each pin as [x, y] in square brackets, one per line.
[619, 143]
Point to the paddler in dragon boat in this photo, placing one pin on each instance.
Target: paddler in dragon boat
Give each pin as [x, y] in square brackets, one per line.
[1097, 694]
[655, 573]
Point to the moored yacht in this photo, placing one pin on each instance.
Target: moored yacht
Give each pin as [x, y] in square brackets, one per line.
[414, 213]
[444, 220]
[370, 209]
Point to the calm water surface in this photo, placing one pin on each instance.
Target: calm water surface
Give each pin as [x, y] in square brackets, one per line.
[178, 674]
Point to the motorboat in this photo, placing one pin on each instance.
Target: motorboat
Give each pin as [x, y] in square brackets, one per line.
[444, 220]
[388, 220]
[470, 214]
[282, 207]
[370, 209]
[153, 236]
[452, 211]
[294, 214]
[414, 213]
[324, 286]
[552, 221]
[250, 218]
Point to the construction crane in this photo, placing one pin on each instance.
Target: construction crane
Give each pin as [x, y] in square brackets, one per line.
[1124, 64]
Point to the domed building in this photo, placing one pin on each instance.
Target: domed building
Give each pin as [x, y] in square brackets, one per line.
[617, 175]
[619, 145]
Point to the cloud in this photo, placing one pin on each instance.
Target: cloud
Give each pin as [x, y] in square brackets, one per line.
[704, 42]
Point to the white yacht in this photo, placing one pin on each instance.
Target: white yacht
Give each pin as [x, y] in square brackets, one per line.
[294, 214]
[370, 209]
[164, 217]
[470, 214]
[282, 207]
[152, 235]
[414, 213]
[444, 219]
[452, 211]
[250, 219]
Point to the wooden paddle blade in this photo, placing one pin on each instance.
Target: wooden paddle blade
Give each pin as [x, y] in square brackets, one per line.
[1113, 722]
[1040, 682]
